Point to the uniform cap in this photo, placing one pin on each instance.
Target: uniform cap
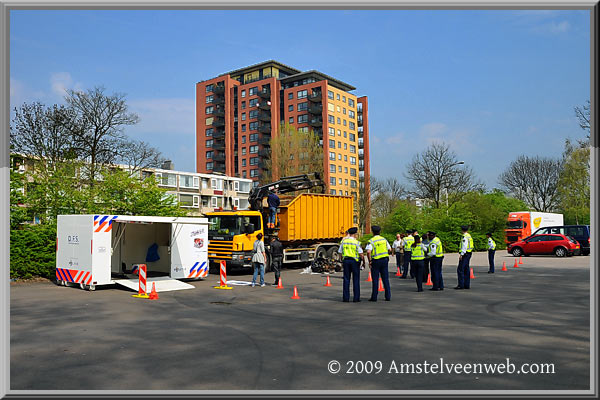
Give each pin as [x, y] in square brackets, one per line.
[353, 230]
[431, 233]
[376, 229]
[464, 227]
[489, 233]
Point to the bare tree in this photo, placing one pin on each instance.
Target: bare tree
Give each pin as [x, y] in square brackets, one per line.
[534, 180]
[385, 195]
[102, 119]
[436, 171]
[583, 115]
[139, 155]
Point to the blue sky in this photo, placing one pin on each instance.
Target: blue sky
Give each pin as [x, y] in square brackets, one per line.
[492, 84]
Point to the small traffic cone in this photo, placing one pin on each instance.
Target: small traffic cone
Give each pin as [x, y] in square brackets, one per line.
[398, 273]
[153, 293]
[381, 289]
[279, 284]
[516, 265]
[369, 279]
[328, 283]
[472, 274]
[504, 266]
[429, 283]
[520, 260]
[295, 296]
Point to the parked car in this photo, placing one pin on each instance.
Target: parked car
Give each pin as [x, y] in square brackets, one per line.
[581, 233]
[559, 245]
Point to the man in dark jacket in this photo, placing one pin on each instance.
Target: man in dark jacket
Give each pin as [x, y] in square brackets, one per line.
[273, 202]
[276, 257]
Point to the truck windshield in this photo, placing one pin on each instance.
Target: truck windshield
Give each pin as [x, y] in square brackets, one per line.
[514, 224]
[224, 225]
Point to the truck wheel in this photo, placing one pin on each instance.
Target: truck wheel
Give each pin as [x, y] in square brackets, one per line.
[332, 254]
[321, 252]
[560, 252]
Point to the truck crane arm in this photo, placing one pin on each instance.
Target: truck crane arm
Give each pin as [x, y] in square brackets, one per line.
[284, 185]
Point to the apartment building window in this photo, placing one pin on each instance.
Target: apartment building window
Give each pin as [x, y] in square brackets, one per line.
[332, 168]
[210, 99]
[244, 187]
[243, 93]
[243, 139]
[290, 95]
[189, 200]
[339, 132]
[340, 181]
[352, 137]
[254, 161]
[332, 155]
[345, 158]
[332, 143]
[209, 166]
[243, 116]
[303, 129]
[243, 151]
[216, 184]
[337, 96]
[352, 148]
[330, 94]
[253, 114]
[166, 179]
[352, 171]
[209, 132]
[353, 184]
[339, 120]
[303, 119]
[332, 181]
[330, 107]
[253, 149]
[331, 132]
[331, 119]
[253, 137]
[209, 155]
[345, 146]
[253, 91]
[253, 103]
[339, 157]
[209, 110]
[339, 109]
[332, 191]
[209, 120]
[346, 182]
[243, 105]
[346, 170]
[254, 173]
[189, 181]
[291, 120]
[345, 134]
[291, 108]
[243, 174]
[243, 127]
[344, 99]
[303, 106]
[253, 126]
[351, 114]
[339, 145]
[209, 143]
[340, 169]
[352, 125]
[352, 160]
[344, 110]
[216, 202]
[344, 122]
[243, 162]
[350, 102]
[302, 94]
[209, 88]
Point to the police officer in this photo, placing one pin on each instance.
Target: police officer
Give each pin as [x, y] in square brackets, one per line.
[436, 254]
[413, 272]
[418, 261]
[426, 271]
[378, 250]
[351, 253]
[491, 252]
[408, 241]
[466, 248]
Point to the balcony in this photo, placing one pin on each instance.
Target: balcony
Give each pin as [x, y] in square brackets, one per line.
[315, 97]
[219, 100]
[316, 122]
[264, 116]
[265, 141]
[361, 166]
[264, 128]
[264, 105]
[264, 153]
[359, 122]
[361, 144]
[219, 112]
[361, 156]
[218, 121]
[220, 145]
[263, 165]
[265, 93]
[219, 167]
[316, 109]
[219, 89]
[319, 133]
[219, 157]
[219, 135]
[360, 133]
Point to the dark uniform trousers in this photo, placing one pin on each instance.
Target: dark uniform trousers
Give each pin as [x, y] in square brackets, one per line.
[426, 266]
[276, 265]
[436, 272]
[398, 259]
[463, 272]
[419, 267]
[491, 254]
[351, 267]
[380, 267]
[406, 263]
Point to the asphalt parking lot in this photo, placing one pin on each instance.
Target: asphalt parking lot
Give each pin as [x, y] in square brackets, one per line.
[259, 339]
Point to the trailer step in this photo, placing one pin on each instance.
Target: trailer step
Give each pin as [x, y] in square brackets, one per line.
[162, 284]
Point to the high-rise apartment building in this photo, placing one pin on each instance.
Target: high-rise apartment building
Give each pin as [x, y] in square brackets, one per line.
[238, 112]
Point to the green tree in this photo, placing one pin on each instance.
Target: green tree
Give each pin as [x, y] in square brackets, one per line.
[18, 211]
[574, 184]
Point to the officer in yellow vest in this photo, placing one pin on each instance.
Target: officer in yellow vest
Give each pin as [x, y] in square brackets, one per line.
[436, 256]
[417, 261]
[407, 241]
[466, 249]
[351, 254]
[378, 251]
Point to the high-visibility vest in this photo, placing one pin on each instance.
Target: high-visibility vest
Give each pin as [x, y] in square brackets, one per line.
[470, 244]
[493, 244]
[379, 244]
[439, 252]
[417, 253]
[408, 241]
[350, 248]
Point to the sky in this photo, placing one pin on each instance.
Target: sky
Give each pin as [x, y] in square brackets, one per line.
[492, 84]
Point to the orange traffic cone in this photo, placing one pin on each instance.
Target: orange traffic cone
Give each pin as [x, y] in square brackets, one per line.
[429, 283]
[153, 294]
[516, 265]
[398, 273]
[504, 266]
[295, 296]
[520, 260]
[369, 279]
[279, 284]
[381, 289]
[472, 274]
[328, 283]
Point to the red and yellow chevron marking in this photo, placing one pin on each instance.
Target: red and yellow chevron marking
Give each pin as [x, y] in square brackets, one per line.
[73, 275]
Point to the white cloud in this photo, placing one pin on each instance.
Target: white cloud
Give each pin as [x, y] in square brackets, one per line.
[542, 21]
[165, 116]
[60, 82]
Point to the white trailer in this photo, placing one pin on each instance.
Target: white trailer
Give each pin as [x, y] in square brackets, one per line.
[94, 250]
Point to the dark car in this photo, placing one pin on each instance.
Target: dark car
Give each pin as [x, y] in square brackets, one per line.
[559, 245]
[581, 233]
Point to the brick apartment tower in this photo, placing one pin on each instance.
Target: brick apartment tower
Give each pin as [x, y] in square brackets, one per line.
[238, 112]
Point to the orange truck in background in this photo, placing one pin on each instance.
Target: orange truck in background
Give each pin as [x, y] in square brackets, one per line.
[521, 224]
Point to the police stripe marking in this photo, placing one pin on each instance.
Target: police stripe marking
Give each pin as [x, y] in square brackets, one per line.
[69, 273]
[192, 270]
[201, 269]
